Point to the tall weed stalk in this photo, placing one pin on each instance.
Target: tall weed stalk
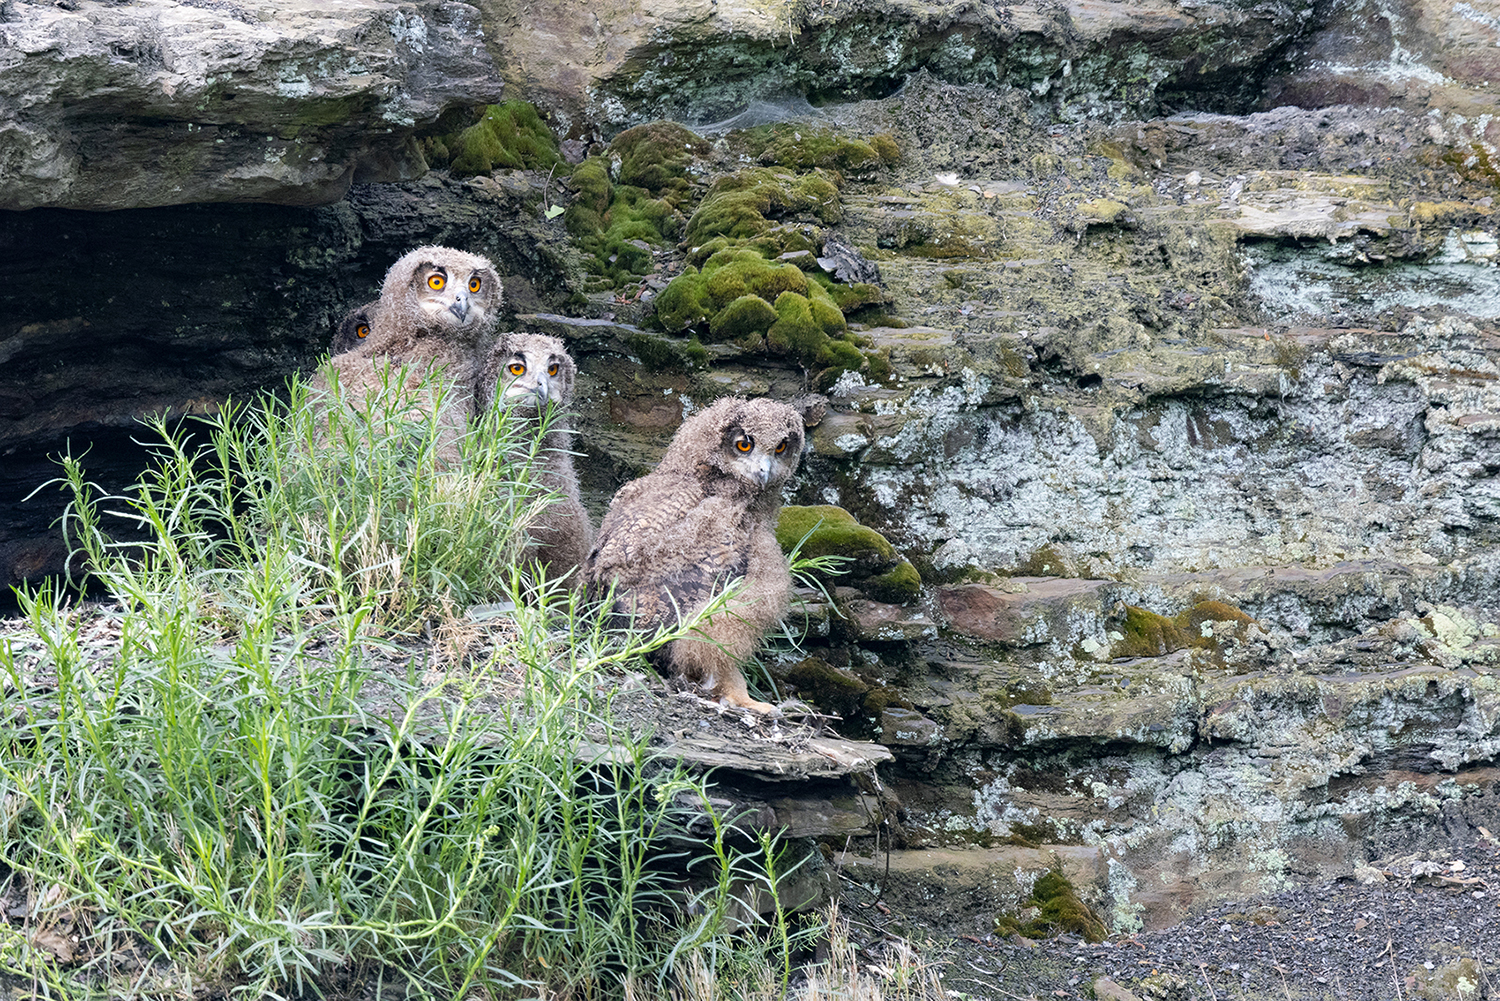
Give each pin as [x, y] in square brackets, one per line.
[255, 785]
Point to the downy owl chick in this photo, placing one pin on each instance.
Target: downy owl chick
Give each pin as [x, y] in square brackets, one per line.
[707, 515]
[437, 308]
[531, 377]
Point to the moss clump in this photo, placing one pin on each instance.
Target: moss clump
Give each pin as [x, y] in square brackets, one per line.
[850, 298]
[660, 354]
[802, 147]
[684, 302]
[829, 530]
[740, 205]
[737, 250]
[510, 135]
[886, 147]
[732, 274]
[895, 587]
[1193, 618]
[760, 303]
[657, 156]
[1148, 634]
[746, 317]
[632, 198]
[832, 690]
[874, 566]
[1060, 912]
[1474, 164]
[805, 328]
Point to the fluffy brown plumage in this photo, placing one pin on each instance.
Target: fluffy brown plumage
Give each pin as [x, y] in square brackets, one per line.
[704, 517]
[353, 328]
[437, 307]
[530, 375]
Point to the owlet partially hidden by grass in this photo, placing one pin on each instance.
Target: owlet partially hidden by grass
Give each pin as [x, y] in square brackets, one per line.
[437, 307]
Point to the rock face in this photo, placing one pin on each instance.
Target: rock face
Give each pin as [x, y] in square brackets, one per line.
[106, 106]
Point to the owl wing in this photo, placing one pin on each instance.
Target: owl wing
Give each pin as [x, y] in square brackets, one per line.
[667, 547]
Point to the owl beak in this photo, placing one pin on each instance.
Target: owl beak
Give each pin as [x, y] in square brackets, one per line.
[763, 469]
[543, 390]
[460, 307]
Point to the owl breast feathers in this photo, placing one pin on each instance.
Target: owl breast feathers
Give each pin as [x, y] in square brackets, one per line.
[705, 517]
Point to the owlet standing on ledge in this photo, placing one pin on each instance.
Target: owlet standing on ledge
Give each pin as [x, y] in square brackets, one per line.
[438, 306]
[704, 517]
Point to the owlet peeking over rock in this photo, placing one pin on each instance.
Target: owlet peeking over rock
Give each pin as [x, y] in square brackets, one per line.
[706, 516]
[353, 328]
[531, 377]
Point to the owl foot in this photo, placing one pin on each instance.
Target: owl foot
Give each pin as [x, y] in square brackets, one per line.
[763, 708]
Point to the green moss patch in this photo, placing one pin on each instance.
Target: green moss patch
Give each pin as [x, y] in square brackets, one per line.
[660, 354]
[827, 687]
[632, 198]
[834, 532]
[1474, 164]
[738, 254]
[510, 135]
[742, 297]
[895, 587]
[803, 148]
[1147, 634]
[874, 566]
[1053, 909]
[741, 205]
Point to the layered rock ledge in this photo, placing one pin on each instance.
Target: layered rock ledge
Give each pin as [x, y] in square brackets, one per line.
[111, 106]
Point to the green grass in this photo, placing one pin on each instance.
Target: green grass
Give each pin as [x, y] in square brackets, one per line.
[259, 781]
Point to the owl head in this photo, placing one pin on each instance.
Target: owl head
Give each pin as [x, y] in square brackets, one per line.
[444, 292]
[757, 443]
[528, 372]
[354, 328]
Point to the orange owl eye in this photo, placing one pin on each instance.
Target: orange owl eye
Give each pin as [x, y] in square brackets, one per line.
[474, 284]
[436, 283]
[553, 368]
[745, 444]
[782, 447]
[362, 331]
[517, 368]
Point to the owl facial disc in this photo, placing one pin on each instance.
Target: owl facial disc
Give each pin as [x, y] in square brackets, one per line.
[532, 371]
[450, 298]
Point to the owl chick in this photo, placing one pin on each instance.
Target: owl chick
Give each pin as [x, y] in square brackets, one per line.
[437, 307]
[528, 375]
[353, 328]
[704, 517]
